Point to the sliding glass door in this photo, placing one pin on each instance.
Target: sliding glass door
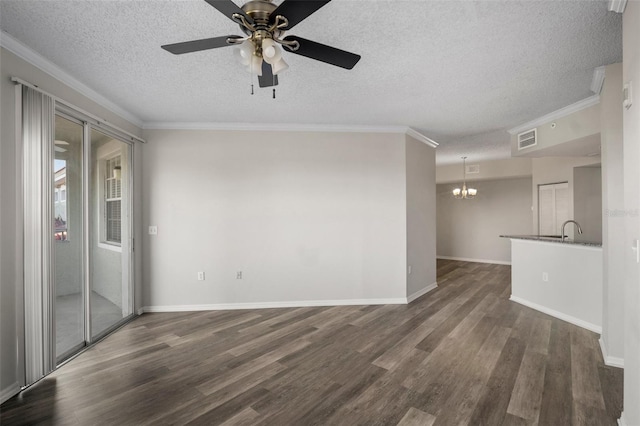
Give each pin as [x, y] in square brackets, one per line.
[110, 232]
[92, 233]
[68, 236]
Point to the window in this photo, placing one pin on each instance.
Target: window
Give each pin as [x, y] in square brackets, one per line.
[113, 201]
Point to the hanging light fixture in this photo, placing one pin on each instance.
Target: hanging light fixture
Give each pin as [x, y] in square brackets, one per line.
[464, 192]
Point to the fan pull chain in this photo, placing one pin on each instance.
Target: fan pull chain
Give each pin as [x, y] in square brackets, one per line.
[273, 81]
[251, 75]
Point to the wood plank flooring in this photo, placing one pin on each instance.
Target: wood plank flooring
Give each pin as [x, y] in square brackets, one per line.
[462, 354]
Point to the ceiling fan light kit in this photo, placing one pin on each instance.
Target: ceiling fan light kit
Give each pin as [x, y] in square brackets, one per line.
[264, 24]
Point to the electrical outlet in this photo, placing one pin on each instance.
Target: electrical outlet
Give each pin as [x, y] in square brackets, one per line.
[200, 276]
[153, 230]
[409, 270]
[545, 277]
[239, 275]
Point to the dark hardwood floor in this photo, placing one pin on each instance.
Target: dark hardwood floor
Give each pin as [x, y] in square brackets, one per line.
[462, 354]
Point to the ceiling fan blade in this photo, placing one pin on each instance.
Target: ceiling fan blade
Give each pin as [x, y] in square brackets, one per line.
[296, 10]
[228, 8]
[267, 79]
[324, 53]
[197, 45]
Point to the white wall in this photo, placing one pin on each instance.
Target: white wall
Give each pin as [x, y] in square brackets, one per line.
[10, 216]
[471, 229]
[572, 271]
[489, 170]
[631, 118]
[613, 235]
[554, 170]
[421, 216]
[581, 125]
[305, 216]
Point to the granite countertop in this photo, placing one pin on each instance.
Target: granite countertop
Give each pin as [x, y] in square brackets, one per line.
[549, 239]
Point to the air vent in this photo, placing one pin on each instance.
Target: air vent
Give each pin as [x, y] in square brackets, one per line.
[527, 139]
[473, 169]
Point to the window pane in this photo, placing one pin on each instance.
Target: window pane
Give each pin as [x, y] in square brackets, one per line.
[68, 228]
[109, 247]
[114, 215]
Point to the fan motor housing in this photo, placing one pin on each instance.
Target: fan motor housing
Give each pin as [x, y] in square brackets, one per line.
[259, 10]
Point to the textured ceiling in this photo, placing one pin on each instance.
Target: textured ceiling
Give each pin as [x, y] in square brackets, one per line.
[461, 72]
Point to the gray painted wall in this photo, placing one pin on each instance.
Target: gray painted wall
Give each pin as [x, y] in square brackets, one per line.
[305, 216]
[587, 202]
[421, 215]
[471, 229]
[613, 233]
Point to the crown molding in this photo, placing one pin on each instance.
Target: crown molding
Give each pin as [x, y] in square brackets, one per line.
[422, 138]
[37, 60]
[275, 127]
[255, 127]
[617, 6]
[598, 79]
[555, 115]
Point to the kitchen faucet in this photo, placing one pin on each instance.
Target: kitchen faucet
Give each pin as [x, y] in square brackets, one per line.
[570, 221]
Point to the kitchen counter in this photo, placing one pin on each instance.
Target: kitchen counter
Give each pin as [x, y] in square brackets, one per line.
[563, 280]
[549, 239]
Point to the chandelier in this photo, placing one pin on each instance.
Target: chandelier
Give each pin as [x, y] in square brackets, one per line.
[464, 192]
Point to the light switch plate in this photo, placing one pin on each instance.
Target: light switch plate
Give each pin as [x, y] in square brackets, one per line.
[627, 95]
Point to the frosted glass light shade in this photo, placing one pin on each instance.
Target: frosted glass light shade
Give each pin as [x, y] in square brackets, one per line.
[279, 66]
[248, 58]
[456, 192]
[270, 51]
[246, 50]
[256, 65]
[241, 58]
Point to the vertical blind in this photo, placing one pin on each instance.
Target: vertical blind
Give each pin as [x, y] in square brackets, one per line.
[39, 292]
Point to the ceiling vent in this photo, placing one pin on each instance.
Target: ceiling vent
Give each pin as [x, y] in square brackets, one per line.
[473, 169]
[527, 139]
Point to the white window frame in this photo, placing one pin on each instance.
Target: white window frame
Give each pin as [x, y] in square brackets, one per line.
[102, 200]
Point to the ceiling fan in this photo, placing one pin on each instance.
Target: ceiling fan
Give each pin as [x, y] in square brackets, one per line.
[264, 25]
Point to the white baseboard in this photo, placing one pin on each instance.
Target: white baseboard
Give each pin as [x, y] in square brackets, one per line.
[622, 421]
[557, 314]
[421, 292]
[8, 392]
[611, 361]
[271, 305]
[466, 259]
